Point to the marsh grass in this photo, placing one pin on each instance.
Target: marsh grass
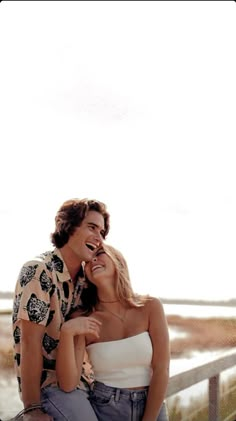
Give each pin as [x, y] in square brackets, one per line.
[6, 344]
[202, 334]
[6, 359]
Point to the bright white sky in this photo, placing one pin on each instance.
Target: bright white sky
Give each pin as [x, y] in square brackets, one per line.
[132, 103]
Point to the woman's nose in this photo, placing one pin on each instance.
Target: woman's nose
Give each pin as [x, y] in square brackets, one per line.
[94, 258]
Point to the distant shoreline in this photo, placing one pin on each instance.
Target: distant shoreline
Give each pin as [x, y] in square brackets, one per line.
[5, 312]
[8, 295]
[227, 303]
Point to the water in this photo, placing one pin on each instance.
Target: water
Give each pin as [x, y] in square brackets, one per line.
[183, 310]
[6, 304]
[200, 311]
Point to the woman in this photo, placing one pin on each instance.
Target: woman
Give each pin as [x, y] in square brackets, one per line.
[126, 338]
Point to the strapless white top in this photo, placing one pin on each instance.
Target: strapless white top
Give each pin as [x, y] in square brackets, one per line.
[123, 363]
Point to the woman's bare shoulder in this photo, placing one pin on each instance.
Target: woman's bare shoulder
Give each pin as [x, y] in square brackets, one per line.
[154, 304]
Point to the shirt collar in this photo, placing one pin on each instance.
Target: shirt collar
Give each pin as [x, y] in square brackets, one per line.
[64, 275]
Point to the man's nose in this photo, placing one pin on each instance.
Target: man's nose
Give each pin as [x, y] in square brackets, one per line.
[94, 259]
[99, 238]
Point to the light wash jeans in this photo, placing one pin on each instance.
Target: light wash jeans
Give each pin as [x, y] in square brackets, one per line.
[71, 406]
[112, 404]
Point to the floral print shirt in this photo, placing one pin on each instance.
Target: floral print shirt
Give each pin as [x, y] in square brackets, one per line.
[45, 295]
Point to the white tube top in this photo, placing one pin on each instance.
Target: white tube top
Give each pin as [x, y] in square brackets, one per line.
[123, 363]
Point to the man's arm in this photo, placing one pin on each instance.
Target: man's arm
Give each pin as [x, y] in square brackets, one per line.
[31, 368]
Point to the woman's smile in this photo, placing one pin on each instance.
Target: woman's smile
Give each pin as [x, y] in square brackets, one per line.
[96, 267]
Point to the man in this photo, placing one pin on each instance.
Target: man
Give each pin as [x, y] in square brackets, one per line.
[47, 290]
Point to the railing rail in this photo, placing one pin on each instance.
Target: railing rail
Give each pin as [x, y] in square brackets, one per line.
[210, 371]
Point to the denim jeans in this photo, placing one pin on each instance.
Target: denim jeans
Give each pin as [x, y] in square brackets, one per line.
[110, 403]
[63, 406]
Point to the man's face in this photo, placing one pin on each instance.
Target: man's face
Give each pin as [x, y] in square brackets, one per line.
[88, 236]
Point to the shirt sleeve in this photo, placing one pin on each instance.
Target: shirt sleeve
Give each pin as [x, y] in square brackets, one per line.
[32, 300]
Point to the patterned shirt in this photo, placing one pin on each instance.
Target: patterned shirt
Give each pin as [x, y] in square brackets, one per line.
[45, 295]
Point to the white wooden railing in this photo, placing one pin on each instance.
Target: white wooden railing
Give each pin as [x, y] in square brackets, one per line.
[210, 371]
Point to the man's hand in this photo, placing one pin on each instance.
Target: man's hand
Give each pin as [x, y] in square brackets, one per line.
[36, 415]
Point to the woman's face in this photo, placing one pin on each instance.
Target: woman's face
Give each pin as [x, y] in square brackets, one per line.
[100, 267]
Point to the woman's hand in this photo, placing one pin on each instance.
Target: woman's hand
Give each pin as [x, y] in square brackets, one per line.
[71, 348]
[82, 326]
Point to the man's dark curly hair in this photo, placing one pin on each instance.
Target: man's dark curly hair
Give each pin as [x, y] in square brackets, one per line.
[70, 216]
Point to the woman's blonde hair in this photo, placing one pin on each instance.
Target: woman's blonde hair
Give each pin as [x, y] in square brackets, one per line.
[124, 290]
[123, 287]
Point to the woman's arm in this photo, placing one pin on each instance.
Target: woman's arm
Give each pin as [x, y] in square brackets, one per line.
[71, 350]
[158, 330]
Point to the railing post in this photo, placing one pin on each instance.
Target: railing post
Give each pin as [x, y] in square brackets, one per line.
[214, 398]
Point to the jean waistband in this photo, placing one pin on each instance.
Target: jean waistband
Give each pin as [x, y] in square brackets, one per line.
[117, 392]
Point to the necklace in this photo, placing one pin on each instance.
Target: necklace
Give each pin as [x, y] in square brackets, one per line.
[122, 318]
